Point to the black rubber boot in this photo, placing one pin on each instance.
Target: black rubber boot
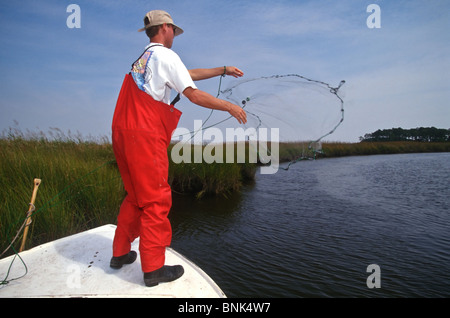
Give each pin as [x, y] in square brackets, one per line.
[163, 275]
[118, 262]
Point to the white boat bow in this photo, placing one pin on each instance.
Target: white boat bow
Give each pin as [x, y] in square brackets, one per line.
[78, 266]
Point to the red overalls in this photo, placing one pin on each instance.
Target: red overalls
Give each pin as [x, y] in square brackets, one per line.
[142, 129]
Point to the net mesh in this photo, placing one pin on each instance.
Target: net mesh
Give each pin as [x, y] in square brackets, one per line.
[303, 110]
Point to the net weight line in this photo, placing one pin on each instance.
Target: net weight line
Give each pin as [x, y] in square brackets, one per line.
[311, 146]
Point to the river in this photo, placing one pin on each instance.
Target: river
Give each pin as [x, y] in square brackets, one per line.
[312, 231]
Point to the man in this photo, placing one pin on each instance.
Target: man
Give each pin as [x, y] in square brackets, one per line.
[142, 127]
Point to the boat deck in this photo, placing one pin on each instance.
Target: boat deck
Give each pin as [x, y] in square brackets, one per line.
[78, 266]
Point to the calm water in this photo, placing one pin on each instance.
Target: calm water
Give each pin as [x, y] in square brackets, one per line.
[313, 230]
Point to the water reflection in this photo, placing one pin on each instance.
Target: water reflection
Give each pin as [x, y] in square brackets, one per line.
[192, 218]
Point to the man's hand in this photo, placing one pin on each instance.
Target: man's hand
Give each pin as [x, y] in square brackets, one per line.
[238, 113]
[233, 71]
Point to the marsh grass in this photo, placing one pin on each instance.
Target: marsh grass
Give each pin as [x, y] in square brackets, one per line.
[290, 151]
[337, 149]
[81, 186]
[216, 178]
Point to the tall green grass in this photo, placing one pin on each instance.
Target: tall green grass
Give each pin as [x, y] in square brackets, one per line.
[81, 186]
[337, 149]
[215, 178]
[291, 151]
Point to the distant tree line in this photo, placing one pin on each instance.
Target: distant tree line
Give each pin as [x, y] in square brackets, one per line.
[423, 134]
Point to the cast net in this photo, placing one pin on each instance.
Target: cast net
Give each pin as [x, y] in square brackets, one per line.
[294, 111]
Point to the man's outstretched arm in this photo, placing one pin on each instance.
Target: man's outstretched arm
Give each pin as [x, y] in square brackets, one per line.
[205, 73]
[204, 99]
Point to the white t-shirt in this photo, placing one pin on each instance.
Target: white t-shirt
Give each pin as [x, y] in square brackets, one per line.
[159, 70]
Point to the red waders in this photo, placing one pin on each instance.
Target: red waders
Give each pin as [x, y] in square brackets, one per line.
[142, 129]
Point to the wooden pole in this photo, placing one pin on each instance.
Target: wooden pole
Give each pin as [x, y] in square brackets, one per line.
[37, 182]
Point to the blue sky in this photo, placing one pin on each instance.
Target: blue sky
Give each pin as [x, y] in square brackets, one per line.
[396, 75]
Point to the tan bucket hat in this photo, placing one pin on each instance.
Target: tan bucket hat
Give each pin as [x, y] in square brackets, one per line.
[158, 17]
